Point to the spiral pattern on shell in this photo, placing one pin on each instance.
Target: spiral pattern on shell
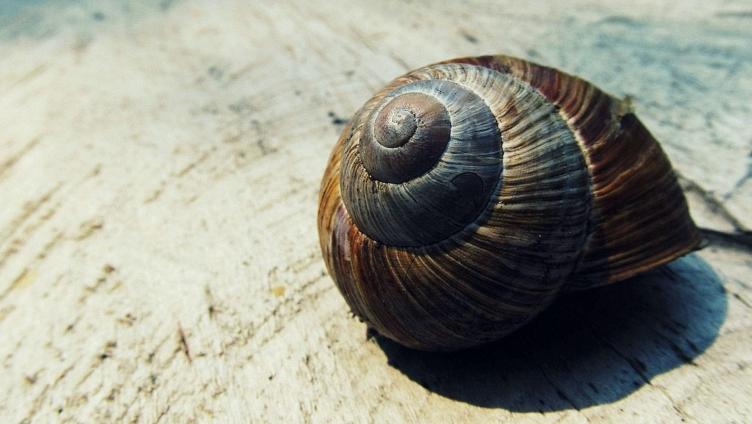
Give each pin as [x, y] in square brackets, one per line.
[425, 165]
[464, 196]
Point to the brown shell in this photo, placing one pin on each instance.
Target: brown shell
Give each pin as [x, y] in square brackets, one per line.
[465, 195]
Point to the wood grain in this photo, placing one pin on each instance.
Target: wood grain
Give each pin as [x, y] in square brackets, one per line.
[160, 166]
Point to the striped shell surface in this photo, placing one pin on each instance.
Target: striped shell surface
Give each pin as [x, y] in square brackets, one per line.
[466, 195]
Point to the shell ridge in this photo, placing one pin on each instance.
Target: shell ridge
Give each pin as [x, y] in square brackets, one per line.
[560, 144]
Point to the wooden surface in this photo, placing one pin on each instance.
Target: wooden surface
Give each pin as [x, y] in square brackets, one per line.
[159, 170]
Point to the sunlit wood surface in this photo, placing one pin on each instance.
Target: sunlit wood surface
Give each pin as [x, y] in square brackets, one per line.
[159, 170]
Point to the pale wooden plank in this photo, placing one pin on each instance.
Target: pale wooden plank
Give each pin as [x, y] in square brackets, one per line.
[159, 167]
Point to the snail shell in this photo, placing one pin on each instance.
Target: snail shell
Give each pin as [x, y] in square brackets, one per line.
[466, 195]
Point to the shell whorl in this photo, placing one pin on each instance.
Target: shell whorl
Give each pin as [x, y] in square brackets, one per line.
[465, 195]
[529, 224]
[423, 165]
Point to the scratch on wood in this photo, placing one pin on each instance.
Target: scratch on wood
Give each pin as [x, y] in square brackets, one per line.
[47, 248]
[362, 38]
[237, 74]
[4, 312]
[163, 413]
[400, 61]
[38, 70]
[37, 403]
[637, 366]
[711, 201]
[29, 208]
[95, 171]
[212, 308]
[153, 352]
[104, 277]
[62, 375]
[6, 165]
[184, 343]
[155, 195]
[468, 37]
[193, 164]
[87, 228]
[17, 244]
[740, 299]
[24, 278]
[559, 391]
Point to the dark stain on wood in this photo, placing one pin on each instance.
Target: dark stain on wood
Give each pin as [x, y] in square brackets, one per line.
[336, 120]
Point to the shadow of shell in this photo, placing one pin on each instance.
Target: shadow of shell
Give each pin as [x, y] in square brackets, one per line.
[589, 348]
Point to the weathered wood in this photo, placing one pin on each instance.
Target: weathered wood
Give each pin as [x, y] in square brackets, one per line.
[159, 169]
